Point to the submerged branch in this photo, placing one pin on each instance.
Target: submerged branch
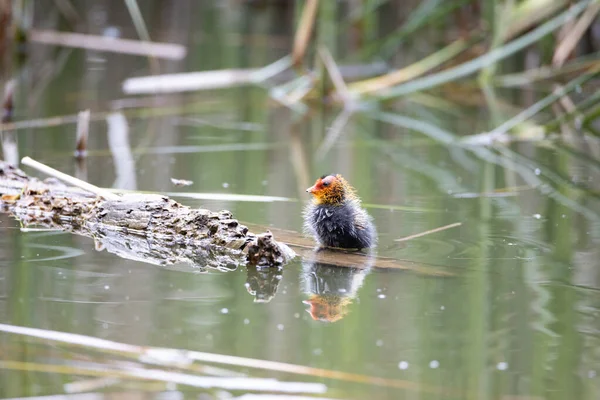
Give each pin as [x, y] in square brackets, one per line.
[418, 235]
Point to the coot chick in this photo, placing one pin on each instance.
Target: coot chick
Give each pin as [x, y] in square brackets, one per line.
[335, 217]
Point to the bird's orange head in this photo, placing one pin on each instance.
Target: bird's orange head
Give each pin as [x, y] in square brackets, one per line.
[331, 189]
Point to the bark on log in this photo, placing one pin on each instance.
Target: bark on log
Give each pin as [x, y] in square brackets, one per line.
[148, 228]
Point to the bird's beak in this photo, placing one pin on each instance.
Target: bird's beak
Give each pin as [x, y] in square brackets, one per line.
[311, 189]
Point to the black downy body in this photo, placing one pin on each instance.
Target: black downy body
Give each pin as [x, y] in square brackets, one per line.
[345, 225]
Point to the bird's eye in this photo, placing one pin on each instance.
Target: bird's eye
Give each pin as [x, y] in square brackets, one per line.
[325, 184]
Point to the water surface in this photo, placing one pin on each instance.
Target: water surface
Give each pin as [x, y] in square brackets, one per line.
[504, 306]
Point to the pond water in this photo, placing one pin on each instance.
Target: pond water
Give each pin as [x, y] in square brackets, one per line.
[504, 306]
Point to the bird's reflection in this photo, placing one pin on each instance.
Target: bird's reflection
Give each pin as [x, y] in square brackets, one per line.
[262, 283]
[331, 289]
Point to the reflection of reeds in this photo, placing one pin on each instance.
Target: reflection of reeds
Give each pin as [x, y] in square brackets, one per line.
[163, 364]
[499, 155]
[500, 133]
[136, 373]
[82, 133]
[8, 101]
[118, 142]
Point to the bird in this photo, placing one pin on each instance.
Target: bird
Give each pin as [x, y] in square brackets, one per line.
[335, 217]
[331, 290]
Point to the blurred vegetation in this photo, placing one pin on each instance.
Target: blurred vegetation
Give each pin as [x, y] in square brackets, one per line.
[547, 45]
[408, 51]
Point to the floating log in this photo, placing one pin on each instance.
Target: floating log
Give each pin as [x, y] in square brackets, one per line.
[148, 228]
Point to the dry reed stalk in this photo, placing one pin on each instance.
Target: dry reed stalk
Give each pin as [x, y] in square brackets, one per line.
[418, 235]
[69, 179]
[574, 35]
[115, 45]
[335, 75]
[305, 27]
[411, 71]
